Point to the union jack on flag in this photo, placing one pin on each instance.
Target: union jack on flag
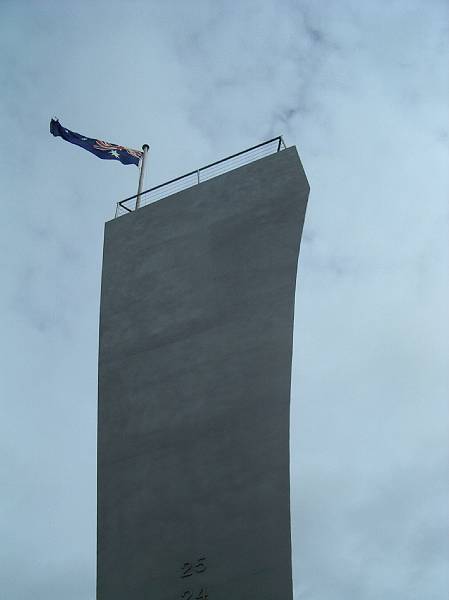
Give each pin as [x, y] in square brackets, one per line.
[127, 156]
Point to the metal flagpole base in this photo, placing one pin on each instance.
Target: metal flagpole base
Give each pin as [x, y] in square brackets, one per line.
[145, 149]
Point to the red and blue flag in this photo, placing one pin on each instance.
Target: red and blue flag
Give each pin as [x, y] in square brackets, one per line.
[127, 156]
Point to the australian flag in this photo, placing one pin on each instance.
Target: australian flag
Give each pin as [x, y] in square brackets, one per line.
[127, 156]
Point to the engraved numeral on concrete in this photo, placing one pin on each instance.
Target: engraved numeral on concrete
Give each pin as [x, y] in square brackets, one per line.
[187, 570]
[200, 565]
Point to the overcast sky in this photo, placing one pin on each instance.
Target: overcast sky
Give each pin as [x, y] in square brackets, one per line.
[361, 87]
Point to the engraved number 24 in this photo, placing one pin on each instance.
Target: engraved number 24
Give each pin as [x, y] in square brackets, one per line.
[188, 595]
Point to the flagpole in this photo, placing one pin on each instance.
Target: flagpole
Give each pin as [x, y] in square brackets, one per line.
[145, 149]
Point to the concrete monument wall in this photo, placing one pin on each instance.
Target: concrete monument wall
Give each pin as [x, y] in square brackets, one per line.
[194, 389]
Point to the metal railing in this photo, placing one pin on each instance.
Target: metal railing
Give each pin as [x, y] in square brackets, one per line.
[203, 174]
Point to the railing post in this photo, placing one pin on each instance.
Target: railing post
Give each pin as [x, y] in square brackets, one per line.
[198, 176]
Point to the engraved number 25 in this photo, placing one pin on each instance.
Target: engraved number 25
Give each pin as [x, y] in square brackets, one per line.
[198, 567]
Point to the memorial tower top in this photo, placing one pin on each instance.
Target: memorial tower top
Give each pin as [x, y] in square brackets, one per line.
[234, 161]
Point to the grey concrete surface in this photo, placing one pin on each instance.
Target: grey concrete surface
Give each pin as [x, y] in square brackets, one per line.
[196, 332]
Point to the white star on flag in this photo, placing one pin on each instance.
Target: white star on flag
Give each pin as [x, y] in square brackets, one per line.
[114, 153]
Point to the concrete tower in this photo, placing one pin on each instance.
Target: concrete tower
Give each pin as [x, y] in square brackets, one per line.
[194, 389]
